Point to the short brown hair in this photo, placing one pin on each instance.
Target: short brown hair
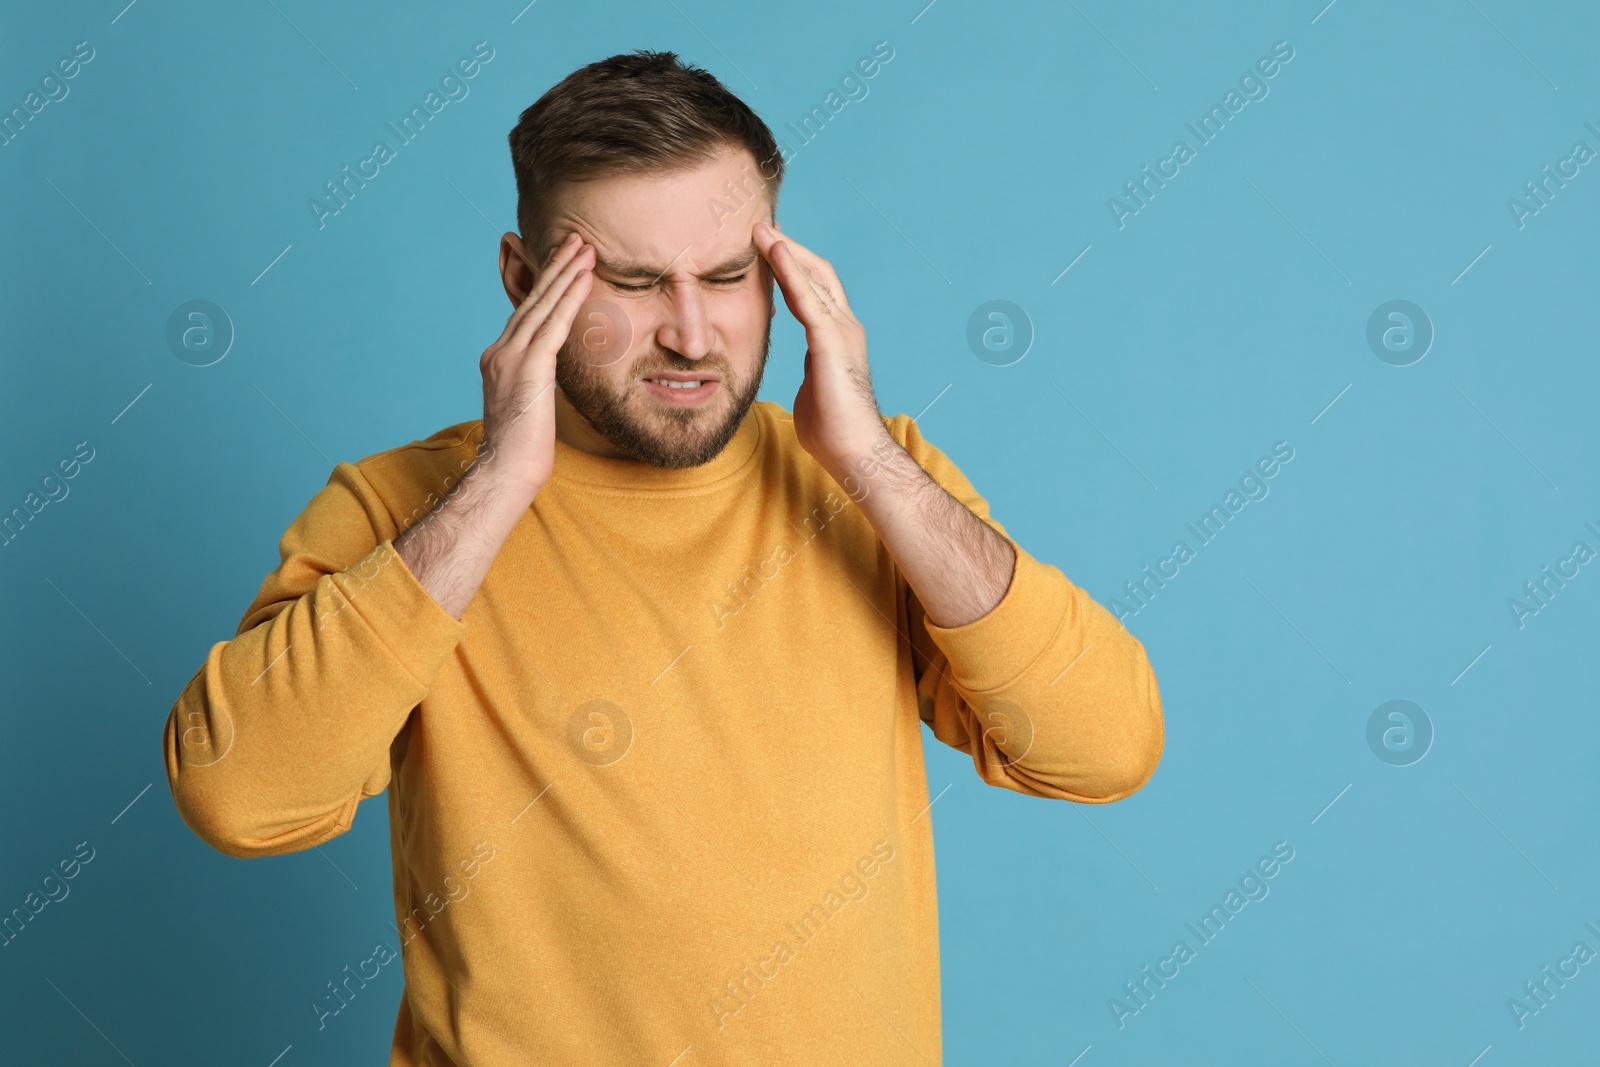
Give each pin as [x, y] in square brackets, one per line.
[637, 111]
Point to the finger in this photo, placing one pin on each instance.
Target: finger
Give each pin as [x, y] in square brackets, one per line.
[543, 278]
[820, 273]
[556, 326]
[798, 293]
[564, 253]
[559, 285]
[825, 296]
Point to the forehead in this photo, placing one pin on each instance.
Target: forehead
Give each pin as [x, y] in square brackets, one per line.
[696, 215]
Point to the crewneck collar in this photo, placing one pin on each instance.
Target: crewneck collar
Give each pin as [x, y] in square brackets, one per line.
[574, 466]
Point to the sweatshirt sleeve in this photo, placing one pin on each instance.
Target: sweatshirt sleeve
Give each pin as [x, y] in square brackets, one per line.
[287, 727]
[1048, 692]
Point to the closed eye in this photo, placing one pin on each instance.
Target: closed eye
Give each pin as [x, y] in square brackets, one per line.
[734, 280]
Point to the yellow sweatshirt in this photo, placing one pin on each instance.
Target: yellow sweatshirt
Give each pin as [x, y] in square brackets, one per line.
[658, 797]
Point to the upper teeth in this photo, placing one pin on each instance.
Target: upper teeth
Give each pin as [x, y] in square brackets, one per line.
[677, 385]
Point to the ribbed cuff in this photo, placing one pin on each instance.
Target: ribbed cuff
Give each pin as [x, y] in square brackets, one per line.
[412, 625]
[994, 650]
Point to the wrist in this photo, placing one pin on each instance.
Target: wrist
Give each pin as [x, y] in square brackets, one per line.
[480, 506]
[857, 466]
[492, 475]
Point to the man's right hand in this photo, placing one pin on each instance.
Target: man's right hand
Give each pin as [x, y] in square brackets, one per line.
[451, 548]
[519, 371]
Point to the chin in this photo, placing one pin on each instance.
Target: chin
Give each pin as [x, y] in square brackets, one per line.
[654, 429]
[657, 433]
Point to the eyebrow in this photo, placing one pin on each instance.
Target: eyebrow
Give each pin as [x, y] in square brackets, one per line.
[736, 262]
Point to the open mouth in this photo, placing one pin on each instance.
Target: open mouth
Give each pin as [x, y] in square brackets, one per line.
[686, 393]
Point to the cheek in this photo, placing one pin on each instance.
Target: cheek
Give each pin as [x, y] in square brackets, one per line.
[749, 314]
[607, 332]
[743, 319]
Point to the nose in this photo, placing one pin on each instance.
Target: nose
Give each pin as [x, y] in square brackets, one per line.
[684, 327]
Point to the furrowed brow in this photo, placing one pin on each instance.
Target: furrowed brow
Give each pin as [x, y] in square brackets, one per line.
[627, 270]
[732, 265]
[736, 262]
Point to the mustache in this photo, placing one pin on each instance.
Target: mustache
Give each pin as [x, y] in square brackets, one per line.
[683, 365]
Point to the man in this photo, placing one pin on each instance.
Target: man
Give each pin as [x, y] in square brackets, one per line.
[643, 661]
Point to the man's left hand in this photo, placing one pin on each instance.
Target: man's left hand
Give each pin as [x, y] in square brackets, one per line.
[835, 413]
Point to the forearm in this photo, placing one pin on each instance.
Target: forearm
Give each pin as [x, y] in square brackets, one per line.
[1016, 665]
[1050, 694]
[957, 565]
[289, 723]
[451, 549]
[276, 738]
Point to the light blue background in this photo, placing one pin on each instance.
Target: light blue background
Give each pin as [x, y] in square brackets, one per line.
[1219, 320]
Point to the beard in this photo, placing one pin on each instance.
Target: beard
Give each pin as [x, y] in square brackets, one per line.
[646, 429]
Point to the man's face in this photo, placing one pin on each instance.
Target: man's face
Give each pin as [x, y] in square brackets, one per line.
[679, 293]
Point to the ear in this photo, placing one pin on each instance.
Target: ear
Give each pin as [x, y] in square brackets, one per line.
[516, 272]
